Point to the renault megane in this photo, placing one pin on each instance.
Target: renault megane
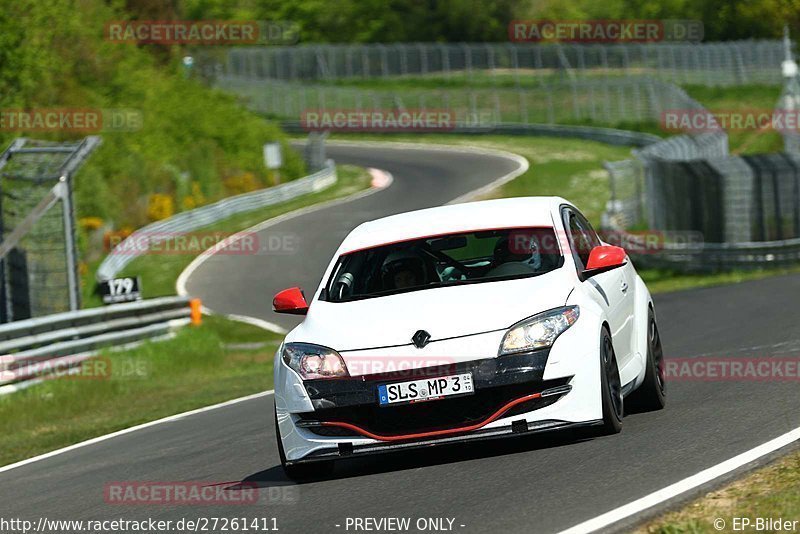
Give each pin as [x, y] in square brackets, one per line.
[464, 322]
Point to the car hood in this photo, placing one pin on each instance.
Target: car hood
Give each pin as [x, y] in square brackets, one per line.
[443, 312]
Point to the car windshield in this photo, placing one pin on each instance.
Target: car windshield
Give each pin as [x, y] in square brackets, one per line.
[443, 260]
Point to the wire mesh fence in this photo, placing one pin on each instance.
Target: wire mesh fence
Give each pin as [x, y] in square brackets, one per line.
[581, 102]
[37, 226]
[36, 277]
[713, 64]
[687, 182]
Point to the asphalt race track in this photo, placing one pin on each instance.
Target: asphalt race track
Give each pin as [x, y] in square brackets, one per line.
[542, 483]
[423, 179]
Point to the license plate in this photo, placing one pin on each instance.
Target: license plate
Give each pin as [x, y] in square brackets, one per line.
[425, 389]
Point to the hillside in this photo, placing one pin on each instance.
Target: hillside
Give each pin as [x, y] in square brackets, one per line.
[194, 145]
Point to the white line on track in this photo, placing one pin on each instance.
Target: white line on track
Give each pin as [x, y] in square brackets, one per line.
[124, 431]
[687, 484]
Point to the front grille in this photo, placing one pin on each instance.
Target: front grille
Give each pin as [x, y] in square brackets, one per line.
[434, 415]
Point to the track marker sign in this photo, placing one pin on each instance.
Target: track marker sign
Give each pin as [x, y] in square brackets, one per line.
[119, 290]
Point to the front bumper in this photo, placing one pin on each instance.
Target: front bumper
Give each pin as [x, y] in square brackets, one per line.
[503, 387]
[513, 395]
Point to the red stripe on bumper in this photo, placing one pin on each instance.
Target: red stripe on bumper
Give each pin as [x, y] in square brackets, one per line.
[436, 433]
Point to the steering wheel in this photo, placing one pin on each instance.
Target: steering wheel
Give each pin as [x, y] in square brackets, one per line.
[343, 287]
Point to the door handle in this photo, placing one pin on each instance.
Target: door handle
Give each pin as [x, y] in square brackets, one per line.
[624, 287]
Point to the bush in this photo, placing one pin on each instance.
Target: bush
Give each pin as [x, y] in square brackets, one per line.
[54, 55]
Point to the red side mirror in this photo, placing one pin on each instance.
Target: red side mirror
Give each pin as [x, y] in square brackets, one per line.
[290, 301]
[604, 258]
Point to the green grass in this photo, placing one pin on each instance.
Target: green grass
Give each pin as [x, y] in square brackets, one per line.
[160, 271]
[743, 98]
[771, 492]
[544, 105]
[201, 366]
[478, 79]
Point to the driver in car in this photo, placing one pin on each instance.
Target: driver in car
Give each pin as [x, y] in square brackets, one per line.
[402, 270]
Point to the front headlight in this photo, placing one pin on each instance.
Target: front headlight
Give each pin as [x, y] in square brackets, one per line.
[314, 361]
[539, 331]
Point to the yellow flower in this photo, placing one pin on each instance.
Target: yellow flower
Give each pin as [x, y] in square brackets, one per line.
[160, 206]
[90, 223]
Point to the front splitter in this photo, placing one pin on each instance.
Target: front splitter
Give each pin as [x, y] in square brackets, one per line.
[342, 451]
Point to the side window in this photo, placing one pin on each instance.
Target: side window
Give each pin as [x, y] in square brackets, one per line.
[582, 238]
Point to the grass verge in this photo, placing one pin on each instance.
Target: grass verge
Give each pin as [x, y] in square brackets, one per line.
[744, 98]
[771, 492]
[214, 362]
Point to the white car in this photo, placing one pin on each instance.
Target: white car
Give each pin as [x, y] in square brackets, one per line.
[463, 322]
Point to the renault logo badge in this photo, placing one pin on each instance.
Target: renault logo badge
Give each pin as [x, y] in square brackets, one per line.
[421, 338]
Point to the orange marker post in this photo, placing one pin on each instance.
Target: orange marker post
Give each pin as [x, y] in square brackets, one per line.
[197, 311]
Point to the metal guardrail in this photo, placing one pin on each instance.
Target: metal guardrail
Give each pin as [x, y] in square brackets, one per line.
[198, 218]
[63, 340]
[709, 257]
[611, 136]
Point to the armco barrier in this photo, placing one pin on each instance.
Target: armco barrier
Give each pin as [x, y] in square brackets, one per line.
[710, 257]
[611, 136]
[198, 218]
[66, 339]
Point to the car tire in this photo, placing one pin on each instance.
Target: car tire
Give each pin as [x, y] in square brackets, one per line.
[651, 395]
[300, 472]
[610, 386]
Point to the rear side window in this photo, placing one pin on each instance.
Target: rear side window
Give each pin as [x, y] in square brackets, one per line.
[582, 237]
